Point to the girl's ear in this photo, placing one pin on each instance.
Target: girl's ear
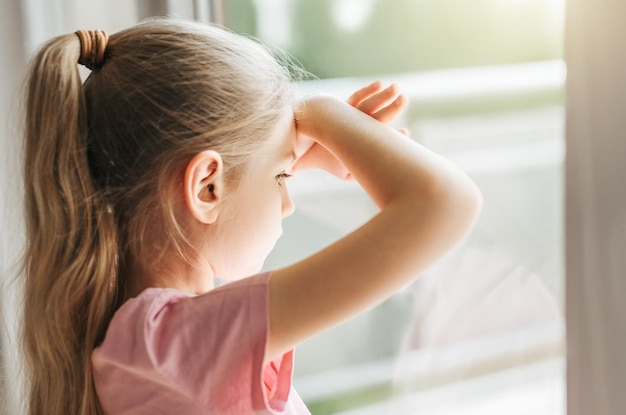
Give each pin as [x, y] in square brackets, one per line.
[203, 186]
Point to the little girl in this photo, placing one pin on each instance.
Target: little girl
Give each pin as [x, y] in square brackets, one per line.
[168, 168]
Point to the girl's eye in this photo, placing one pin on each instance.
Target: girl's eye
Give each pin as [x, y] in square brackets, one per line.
[281, 177]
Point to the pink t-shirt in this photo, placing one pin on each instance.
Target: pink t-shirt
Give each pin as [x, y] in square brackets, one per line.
[170, 352]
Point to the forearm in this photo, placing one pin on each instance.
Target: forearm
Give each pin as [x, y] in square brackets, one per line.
[388, 165]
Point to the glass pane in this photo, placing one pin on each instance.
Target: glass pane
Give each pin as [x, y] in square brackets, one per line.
[482, 331]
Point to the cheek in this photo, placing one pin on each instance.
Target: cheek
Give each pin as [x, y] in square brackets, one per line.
[264, 220]
[265, 215]
[252, 231]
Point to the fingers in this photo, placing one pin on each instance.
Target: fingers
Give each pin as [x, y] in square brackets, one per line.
[364, 93]
[379, 100]
[382, 104]
[391, 110]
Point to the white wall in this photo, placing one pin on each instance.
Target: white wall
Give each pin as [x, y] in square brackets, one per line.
[596, 207]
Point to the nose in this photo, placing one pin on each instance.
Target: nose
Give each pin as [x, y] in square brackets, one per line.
[287, 206]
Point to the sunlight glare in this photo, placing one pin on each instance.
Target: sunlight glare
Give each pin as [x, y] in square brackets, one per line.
[351, 15]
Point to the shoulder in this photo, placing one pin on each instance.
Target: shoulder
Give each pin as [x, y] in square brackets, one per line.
[148, 303]
[160, 321]
[153, 301]
[206, 348]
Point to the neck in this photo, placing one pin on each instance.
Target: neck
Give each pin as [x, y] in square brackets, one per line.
[173, 273]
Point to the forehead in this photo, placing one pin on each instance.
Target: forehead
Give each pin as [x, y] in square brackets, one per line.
[281, 140]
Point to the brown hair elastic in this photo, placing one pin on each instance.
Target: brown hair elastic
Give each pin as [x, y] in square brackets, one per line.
[93, 44]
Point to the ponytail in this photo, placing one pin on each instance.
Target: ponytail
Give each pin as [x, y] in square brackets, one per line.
[71, 253]
[100, 219]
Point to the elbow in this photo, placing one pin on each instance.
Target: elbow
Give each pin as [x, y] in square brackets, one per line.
[460, 200]
[467, 203]
[475, 205]
[472, 199]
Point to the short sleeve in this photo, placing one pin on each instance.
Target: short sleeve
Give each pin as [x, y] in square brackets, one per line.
[206, 349]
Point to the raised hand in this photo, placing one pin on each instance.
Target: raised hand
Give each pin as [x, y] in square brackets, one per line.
[382, 104]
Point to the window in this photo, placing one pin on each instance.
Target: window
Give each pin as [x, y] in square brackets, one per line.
[482, 331]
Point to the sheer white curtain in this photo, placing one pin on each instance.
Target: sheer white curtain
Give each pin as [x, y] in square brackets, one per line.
[11, 73]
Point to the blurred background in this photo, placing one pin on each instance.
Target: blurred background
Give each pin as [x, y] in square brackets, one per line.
[483, 330]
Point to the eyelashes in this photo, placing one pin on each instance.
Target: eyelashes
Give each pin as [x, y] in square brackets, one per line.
[281, 177]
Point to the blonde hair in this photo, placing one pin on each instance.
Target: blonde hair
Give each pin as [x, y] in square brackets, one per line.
[101, 163]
